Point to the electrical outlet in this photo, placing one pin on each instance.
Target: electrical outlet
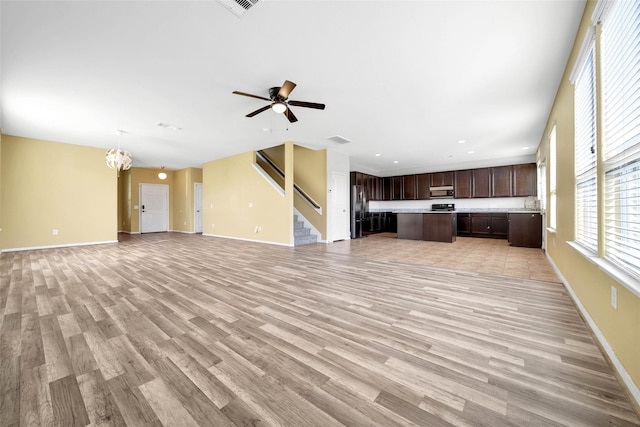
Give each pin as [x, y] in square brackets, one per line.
[55, 231]
[614, 297]
[250, 204]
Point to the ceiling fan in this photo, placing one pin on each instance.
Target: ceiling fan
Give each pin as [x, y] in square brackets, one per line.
[279, 101]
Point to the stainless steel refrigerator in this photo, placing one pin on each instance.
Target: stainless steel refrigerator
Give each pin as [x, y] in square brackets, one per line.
[359, 210]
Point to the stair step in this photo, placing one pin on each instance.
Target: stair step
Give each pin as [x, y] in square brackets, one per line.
[301, 234]
[305, 240]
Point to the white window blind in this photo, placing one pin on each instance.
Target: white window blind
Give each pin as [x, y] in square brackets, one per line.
[542, 186]
[585, 154]
[621, 133]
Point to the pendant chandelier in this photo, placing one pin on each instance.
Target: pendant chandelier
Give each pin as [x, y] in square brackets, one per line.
[117, 158]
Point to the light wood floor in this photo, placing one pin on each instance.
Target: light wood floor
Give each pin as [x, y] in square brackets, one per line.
[182, 330]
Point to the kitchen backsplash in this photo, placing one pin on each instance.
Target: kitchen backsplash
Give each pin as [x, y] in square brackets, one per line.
[501, 203]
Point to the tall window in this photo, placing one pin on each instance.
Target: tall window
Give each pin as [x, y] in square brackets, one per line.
[585, 152]
[542, 186]
[621, 133]
[552, 179]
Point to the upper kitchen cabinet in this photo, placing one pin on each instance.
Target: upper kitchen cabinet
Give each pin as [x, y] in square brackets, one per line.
[462, 184]
[397, 189]
[441, 179]
[525, 180]
[409, 187]
[501, 181]
[423, 182]
[387, 188]
[481, 182]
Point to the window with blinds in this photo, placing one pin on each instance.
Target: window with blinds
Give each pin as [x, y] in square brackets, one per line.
[585, 153]
[621, 133]
[542, 186]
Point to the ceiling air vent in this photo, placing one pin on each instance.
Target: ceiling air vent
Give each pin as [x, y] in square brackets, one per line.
[339, 139]
[238, 7]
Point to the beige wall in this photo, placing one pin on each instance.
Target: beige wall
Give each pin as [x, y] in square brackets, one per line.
[237, 200]
[49, 185]
[1, 190]
[310, 174]
[130, 195]
[183, 198]
[621, 327]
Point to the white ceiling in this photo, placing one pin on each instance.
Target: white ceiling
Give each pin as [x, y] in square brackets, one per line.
[404, 79]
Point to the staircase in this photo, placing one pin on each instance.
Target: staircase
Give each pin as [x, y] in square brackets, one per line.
[301, 234]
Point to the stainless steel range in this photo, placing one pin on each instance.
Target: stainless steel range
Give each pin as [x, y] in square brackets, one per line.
[439, 207]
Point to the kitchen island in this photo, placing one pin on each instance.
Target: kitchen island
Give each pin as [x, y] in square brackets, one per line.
[431, 226]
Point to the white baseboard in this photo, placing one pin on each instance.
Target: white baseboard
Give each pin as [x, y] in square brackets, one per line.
[248, 240]
[129, 232]
[619, 367]
[183, 232]
[68, 245]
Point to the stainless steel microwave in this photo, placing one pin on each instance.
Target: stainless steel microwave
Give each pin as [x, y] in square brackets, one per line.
[441, 192]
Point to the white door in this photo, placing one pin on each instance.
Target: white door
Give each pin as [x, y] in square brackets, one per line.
[197, 208]
[154, 208]
[340, 203]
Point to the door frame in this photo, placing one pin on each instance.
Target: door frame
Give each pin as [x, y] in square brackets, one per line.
[166, 188]
[338, 223]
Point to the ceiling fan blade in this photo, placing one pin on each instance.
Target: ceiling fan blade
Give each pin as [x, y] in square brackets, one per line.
[258, 111]
[286, 89]
[292, 118]
[306, 104]
[252, 96]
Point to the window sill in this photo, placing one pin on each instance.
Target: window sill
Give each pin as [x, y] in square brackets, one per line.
[551, 230]
[625, 279]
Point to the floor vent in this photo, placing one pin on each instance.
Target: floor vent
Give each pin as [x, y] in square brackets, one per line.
[238, 7]
[339, 139]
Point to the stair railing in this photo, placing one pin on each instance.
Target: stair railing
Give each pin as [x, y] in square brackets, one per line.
[306, 197]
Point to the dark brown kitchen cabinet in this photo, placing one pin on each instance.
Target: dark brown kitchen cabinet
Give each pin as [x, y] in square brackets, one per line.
[423, 182]
[387, 188]
[481, 182]
[499, 225]
[441, 179]
[378, 188]
[501, 181]
[410, 226]
[525, 230]
[462, 184]
[409, 187]
[397, 188]
[488, 224]
[525, 180]
[440, 227]
[464, 224]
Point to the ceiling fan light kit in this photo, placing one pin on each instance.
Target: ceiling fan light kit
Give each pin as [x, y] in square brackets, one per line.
[279, 101]
[278, 107]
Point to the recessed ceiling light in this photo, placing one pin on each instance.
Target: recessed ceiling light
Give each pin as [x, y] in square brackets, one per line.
[395, 161]
[168, 126]
[525, 148]
[462, 141]
[378, 154]
[470, 152]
